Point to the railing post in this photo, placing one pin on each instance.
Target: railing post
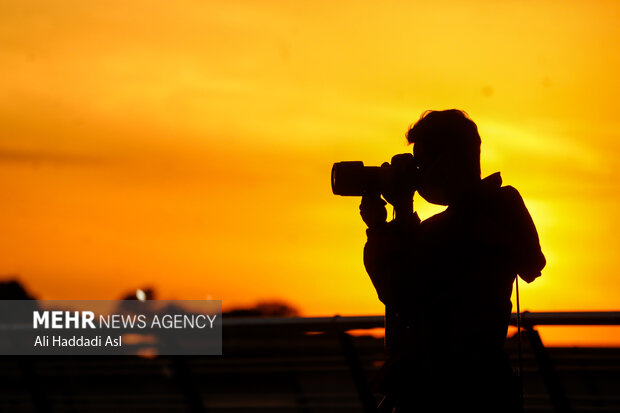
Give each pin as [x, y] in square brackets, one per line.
[36, 386]
[357, 371]
[549, 375]
[187, 385]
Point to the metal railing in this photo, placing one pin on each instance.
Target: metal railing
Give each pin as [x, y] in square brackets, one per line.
[528, 320]
[40, 382]
[574, 318]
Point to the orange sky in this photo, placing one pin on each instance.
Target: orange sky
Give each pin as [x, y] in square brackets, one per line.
[187, 145]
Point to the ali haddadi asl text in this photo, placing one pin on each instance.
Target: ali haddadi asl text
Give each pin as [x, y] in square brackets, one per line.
[81, 341]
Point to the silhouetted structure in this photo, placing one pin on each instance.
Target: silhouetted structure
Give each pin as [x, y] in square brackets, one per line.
[264, 309]
[463, 259]
[13, 290]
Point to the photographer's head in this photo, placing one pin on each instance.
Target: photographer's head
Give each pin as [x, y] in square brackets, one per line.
[447, 149]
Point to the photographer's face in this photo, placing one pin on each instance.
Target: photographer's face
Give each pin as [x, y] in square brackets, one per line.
[433, 185]
[438, 174]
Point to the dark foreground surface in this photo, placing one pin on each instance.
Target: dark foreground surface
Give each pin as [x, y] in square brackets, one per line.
[267, 370]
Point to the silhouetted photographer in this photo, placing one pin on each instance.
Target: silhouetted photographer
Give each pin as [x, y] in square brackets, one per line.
[446, 281]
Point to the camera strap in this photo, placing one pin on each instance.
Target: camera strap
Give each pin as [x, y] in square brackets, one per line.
[519, 345]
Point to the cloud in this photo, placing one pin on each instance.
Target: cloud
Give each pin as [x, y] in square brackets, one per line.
[37, 157]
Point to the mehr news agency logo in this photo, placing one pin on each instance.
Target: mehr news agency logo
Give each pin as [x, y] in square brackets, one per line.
[86, 320]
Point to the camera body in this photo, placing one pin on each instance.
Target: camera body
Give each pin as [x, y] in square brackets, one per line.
[352, 178]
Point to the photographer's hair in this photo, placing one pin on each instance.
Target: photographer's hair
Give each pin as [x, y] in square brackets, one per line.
[448, 130]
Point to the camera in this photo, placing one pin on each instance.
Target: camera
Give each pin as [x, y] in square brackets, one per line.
[352, 178]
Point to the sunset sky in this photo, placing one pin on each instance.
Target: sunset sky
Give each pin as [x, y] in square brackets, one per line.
[187, 145]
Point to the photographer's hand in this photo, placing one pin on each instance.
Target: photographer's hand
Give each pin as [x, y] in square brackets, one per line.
[372, 210]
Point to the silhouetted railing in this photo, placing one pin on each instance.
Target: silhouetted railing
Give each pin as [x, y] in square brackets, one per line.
[584, 318]
[280, 365]
[528, 321]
